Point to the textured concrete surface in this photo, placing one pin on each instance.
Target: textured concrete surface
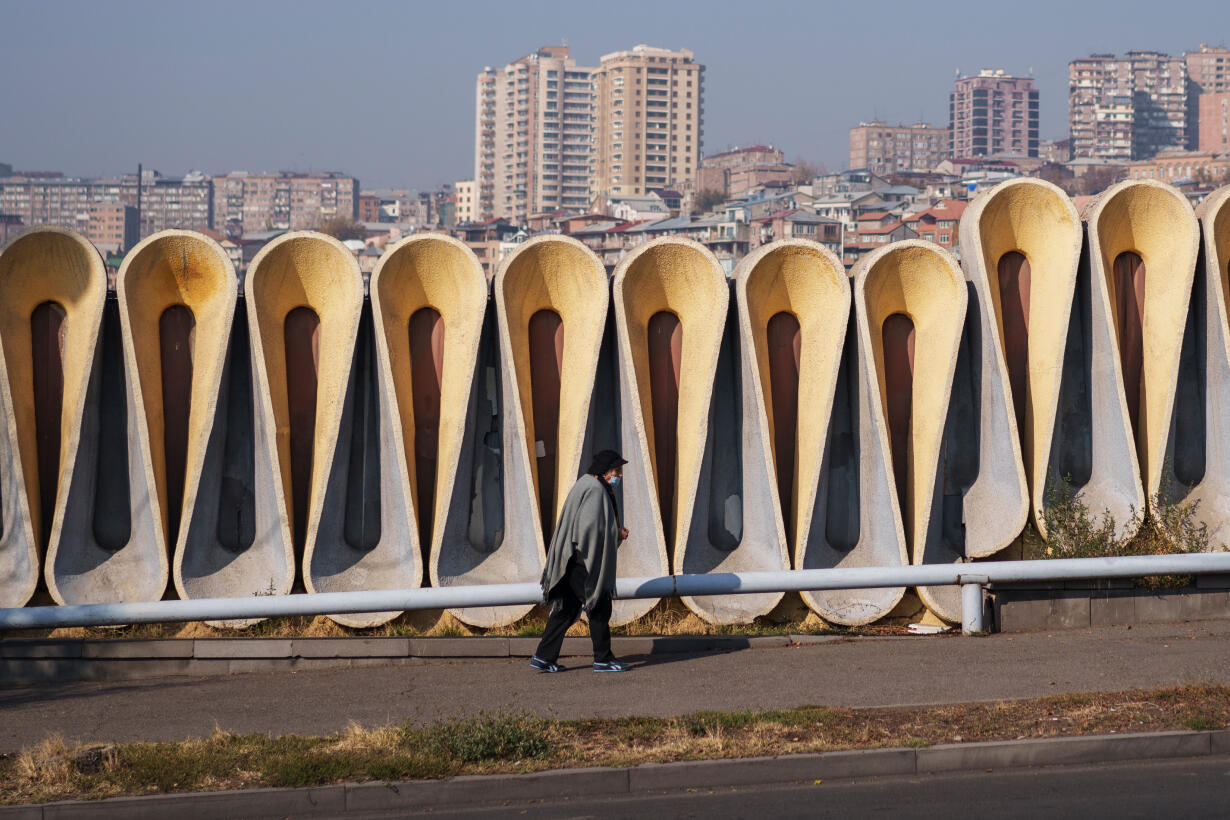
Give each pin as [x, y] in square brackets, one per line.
[39, 265]
[736, 523]
[1092, 453]
[440, 273]
[83, 565]
[921, 281]
[1155, 221]
[167, 270]
[205, 565]
[1037, 220]
[838, 505]
[1212, 493]
[477, 539]
[859, 672]
[182, 268]
[304, 269]
[382, 552]
[553, 273]
[681, 277]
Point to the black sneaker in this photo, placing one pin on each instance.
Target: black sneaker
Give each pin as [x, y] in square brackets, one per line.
[611, 666]
[544, 666]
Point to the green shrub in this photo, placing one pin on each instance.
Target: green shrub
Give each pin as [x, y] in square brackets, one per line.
[485, 738]
[1170, 528]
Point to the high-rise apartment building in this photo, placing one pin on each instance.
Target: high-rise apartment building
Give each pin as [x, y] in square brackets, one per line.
[250, 203]
[650, 115]
[1214, 122]
[1127, 108]
[993, 113]
[1208, 72]
[885, 149]
[533, 140]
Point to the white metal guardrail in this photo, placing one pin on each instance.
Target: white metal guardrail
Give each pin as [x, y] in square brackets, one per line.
[971, 577]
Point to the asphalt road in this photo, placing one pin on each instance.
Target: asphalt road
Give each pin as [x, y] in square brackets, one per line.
[859, 672]
[1187, 788]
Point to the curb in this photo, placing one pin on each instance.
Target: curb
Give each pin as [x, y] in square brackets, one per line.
[648, 777]
[31, 661]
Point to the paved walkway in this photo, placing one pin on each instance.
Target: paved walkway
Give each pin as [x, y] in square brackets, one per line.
[856, 672]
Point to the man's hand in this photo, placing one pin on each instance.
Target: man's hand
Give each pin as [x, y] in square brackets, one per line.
[623, 533]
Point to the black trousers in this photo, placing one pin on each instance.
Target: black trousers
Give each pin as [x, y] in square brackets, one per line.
[566, 607]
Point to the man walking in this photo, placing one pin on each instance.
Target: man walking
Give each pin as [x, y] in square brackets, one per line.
[580, 570]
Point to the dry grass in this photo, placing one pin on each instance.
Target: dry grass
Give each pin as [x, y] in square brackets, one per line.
[669, 617]
[58, 770]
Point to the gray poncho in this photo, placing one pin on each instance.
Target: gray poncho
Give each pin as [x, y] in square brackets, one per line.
[589, 529]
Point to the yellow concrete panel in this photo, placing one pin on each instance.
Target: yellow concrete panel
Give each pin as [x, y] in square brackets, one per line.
[168, 269]
[39, 265]
[312, 270]
[680, 277]
[1212, 494]
[921, 281]
[808, 281]
[1155, 221]
[1214, 215]
[1038, 220]
[439, 272]
[560, 274]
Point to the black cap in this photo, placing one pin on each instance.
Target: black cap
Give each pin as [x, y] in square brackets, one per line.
[604, 461]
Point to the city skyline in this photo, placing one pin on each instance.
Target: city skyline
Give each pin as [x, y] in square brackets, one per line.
[391, 102]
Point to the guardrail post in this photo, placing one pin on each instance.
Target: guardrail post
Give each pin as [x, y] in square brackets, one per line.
[971, 603]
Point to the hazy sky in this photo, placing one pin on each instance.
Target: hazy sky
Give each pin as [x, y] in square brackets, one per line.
[385, 91]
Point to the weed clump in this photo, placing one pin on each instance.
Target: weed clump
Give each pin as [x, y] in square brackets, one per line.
[1170, 527]
[485, 738]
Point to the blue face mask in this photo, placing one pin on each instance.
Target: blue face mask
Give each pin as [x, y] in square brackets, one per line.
[613, 481]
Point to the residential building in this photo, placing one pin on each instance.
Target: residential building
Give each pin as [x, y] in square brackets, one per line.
[368, 207]
[638, 208]
[168, 202]
[1183, 166]
[795, 223]
[1214, 122]
[533, 135]
[1208, 72]
[857, 180]
[466, 210]
[1056, 151]
[649, 121]
[10, 226]
[49, 200]
[888, 149]
[847, 207]
[491, 240]
[865, 241]
[737, 171]
[165, 202]
[112, 227]
[246, 203]
[938, 223]
[993, 113]
[1127, 108]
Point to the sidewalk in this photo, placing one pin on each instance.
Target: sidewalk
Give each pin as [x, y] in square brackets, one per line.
[859, 672]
